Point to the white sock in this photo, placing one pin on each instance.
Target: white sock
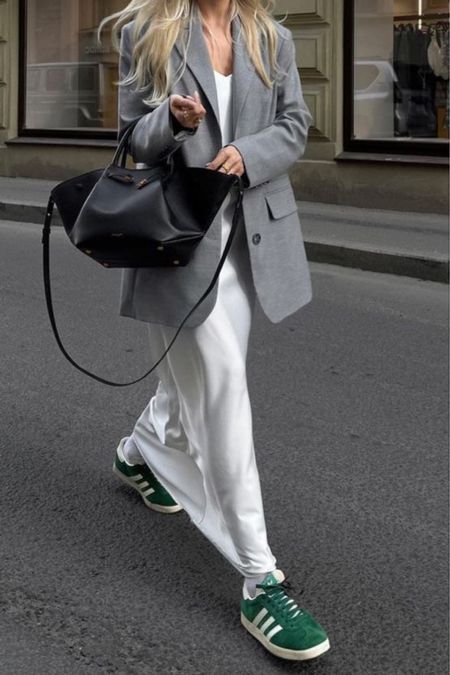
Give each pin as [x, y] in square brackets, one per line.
[250, 582]
[131, 452]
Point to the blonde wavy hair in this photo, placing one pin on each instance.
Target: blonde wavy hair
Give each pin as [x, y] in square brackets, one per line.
[163, 21]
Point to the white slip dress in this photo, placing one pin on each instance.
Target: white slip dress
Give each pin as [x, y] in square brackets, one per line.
[196, 431]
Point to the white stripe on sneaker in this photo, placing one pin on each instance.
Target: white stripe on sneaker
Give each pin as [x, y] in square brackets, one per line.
[266, 623]
[273, 631]
[138, 476]
[148, 492]
[259, 616]
[144, 484]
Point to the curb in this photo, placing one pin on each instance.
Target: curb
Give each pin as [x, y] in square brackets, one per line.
[427, 268]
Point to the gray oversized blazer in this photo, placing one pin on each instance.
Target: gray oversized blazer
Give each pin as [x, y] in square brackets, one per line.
[270, 131]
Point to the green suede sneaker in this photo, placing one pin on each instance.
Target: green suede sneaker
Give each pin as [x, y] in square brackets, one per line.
[284, 628]
[141, 478]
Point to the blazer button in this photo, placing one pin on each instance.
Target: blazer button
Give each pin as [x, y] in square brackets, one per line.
[256, 238]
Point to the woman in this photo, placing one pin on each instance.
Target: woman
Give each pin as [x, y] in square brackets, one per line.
[192, 447]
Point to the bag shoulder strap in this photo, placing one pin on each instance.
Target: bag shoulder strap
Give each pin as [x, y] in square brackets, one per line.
[48, 292]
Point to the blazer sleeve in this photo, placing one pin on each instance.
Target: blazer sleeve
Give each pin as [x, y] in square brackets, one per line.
[157, 133]
[272, 150]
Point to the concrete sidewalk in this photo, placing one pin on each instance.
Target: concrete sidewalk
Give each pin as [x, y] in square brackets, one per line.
[397, 242]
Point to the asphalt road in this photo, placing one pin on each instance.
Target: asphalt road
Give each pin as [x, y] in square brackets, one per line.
[350, 406]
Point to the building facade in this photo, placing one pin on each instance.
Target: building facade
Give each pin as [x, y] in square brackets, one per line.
[375, 76]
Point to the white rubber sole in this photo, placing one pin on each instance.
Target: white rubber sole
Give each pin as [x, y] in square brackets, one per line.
[154, 507]
[291, 654]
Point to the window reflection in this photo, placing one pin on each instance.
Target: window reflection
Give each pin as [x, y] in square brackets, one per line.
[69, 75]
[401, 70]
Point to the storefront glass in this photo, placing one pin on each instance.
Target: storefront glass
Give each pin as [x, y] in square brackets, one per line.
[401, 70]
[68, 75]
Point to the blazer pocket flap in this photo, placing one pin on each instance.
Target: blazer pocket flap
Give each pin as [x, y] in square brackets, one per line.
[281, 203]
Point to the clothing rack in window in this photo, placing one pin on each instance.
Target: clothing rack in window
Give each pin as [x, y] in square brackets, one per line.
[412, 17]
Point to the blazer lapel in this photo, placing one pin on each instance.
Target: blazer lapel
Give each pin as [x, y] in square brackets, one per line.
[244, 72]
[199, 62]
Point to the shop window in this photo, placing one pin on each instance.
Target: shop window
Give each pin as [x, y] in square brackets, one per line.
[400, 75]
[67, 76]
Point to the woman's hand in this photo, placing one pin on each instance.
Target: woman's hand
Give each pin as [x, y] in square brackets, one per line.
[228, 160]
[187, 110]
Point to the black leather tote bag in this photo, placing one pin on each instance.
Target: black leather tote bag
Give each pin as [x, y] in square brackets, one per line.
[148, 217]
